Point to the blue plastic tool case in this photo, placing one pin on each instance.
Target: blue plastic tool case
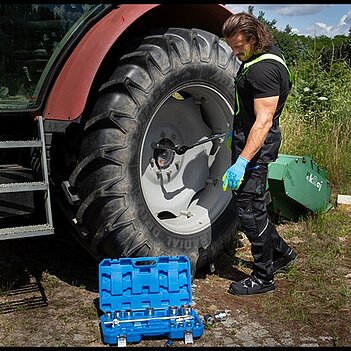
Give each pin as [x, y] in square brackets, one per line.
[147, 297]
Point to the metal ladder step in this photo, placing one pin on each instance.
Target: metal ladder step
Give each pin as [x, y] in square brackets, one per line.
[25, 186]
[19, 143]
[30, 230]
[26, 231]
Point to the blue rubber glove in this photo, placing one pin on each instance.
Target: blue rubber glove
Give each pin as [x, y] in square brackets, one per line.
[234, 175]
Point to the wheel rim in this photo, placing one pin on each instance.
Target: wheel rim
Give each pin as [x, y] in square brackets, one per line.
[184, 192]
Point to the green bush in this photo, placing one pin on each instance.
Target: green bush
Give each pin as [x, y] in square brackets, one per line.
[316, 120]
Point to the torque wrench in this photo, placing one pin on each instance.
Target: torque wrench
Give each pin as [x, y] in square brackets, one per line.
[181, 149]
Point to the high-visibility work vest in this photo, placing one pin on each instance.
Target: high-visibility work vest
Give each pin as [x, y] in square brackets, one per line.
[249, 64]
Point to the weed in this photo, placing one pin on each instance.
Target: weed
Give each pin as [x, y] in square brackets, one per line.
[319, 127]
[51, 281]
[317, 290]
[242, 264]
[6, 288]
[208, 326]
[290, 272]
[22, 308]
[232, 332]
[64, 318]
[63, 343]
[88, 311]
[345, 291]
[78, 284]
[336, 338]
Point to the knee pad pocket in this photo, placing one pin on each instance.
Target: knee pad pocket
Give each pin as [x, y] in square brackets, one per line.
[253, 217]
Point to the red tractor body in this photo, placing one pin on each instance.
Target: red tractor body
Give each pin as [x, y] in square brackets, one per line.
[133, 104]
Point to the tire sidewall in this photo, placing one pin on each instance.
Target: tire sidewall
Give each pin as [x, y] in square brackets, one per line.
[207, 74]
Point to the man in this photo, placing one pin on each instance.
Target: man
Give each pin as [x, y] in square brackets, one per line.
[262, 87]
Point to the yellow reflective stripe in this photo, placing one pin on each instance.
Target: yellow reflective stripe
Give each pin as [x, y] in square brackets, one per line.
[237, 101]
[258, 59]
[267, 57]
[229, 139]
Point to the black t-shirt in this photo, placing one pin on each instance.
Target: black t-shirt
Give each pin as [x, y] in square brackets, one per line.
[265, 78]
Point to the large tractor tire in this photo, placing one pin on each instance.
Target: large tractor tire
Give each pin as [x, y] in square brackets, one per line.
[138, 199]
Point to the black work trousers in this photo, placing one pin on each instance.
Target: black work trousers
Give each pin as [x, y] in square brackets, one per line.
[251, 208]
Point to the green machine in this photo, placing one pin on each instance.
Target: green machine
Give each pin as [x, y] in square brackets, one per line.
[297, 185]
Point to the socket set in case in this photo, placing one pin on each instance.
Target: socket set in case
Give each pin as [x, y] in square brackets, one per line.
[147, 297]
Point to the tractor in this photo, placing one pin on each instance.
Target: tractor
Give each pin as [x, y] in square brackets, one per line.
[116, 115]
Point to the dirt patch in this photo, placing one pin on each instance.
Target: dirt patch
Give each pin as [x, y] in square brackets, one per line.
[49, 297]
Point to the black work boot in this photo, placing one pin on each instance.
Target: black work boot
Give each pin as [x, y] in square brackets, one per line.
[283, 262]
[251, 285]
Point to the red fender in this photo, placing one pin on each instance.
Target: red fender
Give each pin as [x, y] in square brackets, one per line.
[69, 93]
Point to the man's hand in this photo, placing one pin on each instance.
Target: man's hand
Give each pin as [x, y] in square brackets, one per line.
[234, 175]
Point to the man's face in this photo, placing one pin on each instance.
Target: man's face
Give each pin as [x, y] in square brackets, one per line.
[243, 49]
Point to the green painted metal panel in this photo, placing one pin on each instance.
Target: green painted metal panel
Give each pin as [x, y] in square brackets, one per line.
[297, 184]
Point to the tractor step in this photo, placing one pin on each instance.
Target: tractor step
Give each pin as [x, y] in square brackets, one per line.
[19, 187]
[19, 143]
[26, 231]
[12, 180]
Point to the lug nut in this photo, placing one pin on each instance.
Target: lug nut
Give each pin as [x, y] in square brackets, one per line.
[209, 319]
[220, 316]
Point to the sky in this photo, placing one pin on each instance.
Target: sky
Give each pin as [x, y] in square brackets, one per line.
[305, 19]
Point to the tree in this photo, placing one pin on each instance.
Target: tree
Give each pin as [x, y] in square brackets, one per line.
[270, 24]
[295, 47]
[288, 29]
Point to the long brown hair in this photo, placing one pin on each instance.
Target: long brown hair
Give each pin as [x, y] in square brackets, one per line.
[249, 25]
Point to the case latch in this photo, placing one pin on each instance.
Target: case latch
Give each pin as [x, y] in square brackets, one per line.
[121, 341]
[188, 337]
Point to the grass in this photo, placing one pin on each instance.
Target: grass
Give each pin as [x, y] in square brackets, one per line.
[317, 290]
[316, 123]
[6, 288]
[316, 119]
[50, 281]
[78, 284]
[329, 144]
[88, 311]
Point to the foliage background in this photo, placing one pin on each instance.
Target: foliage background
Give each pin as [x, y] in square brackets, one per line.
[316, 118]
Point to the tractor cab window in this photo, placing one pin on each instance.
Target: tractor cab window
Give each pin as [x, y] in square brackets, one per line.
[31, 37]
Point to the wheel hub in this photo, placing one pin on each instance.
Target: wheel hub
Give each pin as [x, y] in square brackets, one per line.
[182, 190]
[164, 158]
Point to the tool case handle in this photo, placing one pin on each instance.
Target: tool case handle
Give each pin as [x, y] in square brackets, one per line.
[144, 261]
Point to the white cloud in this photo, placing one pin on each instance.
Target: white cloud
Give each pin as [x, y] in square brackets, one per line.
[318, 29]
[341, 28]
[284, 10]
[297, 10]
[344, 24]
[238, 8]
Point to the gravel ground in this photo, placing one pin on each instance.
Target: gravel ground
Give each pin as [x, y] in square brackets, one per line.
[49, 297]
